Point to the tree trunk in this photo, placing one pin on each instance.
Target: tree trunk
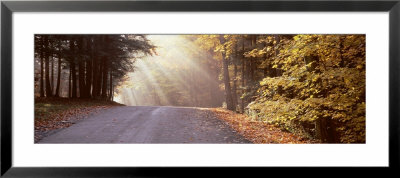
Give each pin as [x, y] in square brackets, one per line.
[228, 92]
[81, 77]
[234, 92]
[74, 82]
[99, 79]
[70, 83]
[243, 79]
[95, 77]
[277, 39]
[47, 75]
[52, 75]
[89, 71]
[105, 78]
[253, 66]
[59, 75]
[111, 86]
[58, 71]
[265, 58]
[81, 69]
[73, 70]
[234, 89]
[42, 55]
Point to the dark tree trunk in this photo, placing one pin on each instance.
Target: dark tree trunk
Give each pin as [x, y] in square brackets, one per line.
[59, 72]
[89, 71]
[243, 79]
[74, 82]
[42, 55]
[105, 78]
[81, 77]
[228, 92]
[70, 83]
[234, 89]
[265, 58]
[278, 72]
[95, 77]
[326, 130]
[253, 66]
[52, 75]
[99, 79]
[73, 70]
[47, 74]
[81, 69]
[248, 68]
[111, 86]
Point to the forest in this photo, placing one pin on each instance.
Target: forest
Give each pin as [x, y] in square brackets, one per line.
[92, 64]
[307, 84]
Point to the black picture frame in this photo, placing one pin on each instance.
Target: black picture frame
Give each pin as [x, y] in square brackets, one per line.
[8, 7]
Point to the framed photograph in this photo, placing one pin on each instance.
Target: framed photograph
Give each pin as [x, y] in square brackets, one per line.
[113, 88]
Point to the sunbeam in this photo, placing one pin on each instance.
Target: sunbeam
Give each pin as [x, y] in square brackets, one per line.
[177, 75]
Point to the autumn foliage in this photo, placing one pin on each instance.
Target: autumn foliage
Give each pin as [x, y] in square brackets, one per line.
[286, 88]
[310, 85]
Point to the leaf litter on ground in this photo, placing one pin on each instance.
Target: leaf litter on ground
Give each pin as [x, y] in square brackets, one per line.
[256, 131]
[56, 113]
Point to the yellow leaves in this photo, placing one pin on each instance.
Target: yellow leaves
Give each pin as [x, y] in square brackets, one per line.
[255, 53]
[219, 48]
[328, 85]
[292, 117]
[347, 81]
[315, 78]
[313, 118]
[261, 52]
[264, 82]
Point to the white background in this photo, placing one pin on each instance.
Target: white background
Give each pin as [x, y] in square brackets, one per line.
[373, 153]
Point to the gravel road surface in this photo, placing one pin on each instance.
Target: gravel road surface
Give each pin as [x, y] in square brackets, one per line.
[148, 124]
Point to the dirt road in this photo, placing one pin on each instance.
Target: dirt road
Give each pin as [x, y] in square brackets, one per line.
[148, 124]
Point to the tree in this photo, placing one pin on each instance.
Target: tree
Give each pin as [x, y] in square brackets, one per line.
[95, 62]
[321, 91]
[39, 52]
[217, 42]
[59, 56]
[47, 49]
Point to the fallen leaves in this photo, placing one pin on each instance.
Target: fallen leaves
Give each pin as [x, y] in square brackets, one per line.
[257, 131]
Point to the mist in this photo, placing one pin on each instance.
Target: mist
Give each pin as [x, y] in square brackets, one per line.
[180, 74]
